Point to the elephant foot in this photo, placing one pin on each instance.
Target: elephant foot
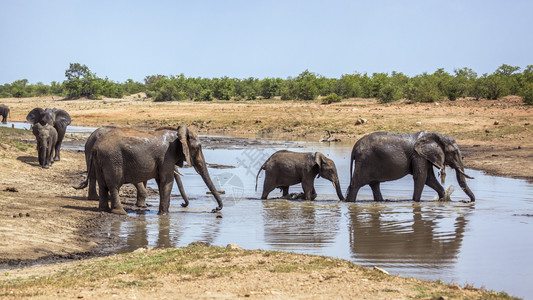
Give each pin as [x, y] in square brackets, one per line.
[185, 204]
[162, 213]
[140, 204]
[118, 211]
[93, 197]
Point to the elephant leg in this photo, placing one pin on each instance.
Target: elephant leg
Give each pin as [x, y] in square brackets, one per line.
[116, 206]
[353, 189]
[285, 190]
[433, 183]
[165, 187]
[92, 188]
[268, 186]
[313, 194]
[141, 194]
[308, 187]
[376, 191]
[419, 177]
[104, 197]
[60, 136]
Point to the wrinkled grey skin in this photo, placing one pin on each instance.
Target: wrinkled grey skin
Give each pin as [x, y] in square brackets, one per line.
[4, 112]
[285, 168]
[384, 156]
[46, 137]
[141, 186]
[58, 118]
[131, 156]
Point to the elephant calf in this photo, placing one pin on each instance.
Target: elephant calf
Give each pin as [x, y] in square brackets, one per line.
[285, 168]
[46, 136]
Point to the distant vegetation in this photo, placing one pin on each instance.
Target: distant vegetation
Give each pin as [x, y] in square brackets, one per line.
[81, 82]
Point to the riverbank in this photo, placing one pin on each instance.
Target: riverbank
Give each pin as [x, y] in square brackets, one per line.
[495, 135]
[197, 271]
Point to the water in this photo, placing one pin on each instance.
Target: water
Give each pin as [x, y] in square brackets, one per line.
[486, 244]
[70, 128]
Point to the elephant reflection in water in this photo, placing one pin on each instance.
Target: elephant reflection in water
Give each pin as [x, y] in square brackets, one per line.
[374, 237]
[300, 223]
[155, 231]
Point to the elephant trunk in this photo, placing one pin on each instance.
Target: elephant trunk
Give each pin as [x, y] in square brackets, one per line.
[462, 183]
[337, 186]
[42, 155]
[201, 168]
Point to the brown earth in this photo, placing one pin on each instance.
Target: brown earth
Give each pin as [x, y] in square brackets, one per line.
[43, 219]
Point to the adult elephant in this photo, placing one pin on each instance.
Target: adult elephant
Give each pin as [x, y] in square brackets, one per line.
[4, 112]
[46, 136]
[285, 168]
[131, 156]
[58, 118]
[140, 186]
[384, 156]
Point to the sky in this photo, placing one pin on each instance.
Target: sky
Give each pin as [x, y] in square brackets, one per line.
[244, 38]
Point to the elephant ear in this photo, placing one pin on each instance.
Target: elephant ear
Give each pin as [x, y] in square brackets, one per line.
[429, 148]
[319, 160]
[62, 118]
[183, 134]
[34, 116]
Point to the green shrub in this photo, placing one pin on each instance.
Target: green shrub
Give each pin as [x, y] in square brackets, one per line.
[527, 93]
[331, 98]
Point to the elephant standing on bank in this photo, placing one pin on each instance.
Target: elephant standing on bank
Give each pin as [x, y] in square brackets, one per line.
[140, 186]
[384, 156]
[57, 118]
[131, 156]
[46, 136]
[4, 112]
[285, 168]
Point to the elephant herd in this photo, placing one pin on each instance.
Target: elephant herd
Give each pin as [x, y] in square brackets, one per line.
[115, 156]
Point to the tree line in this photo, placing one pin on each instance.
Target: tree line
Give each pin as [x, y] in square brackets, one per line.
[81, 82]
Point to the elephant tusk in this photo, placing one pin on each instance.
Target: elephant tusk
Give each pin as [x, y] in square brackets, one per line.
[463, 173]
[442, 175]
[177, 173]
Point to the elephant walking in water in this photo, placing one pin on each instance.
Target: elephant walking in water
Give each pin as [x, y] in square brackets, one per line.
[384, 156]
[140, 186]
[285, 168]
[131, 156]
[4, 112]
[57, 118]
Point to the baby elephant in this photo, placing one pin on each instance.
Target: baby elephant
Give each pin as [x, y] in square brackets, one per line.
[285, 168]
[46, 136]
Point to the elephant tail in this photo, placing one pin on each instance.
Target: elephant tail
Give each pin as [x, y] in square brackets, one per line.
[84, 184]
[257, 176]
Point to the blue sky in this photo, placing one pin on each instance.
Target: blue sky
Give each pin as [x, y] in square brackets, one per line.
[133, 39]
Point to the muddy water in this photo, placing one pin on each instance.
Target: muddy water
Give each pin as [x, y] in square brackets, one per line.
[488, 243]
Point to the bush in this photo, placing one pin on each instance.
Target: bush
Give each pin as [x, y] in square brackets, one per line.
[331, 98]
[206, 95]
[527, 93]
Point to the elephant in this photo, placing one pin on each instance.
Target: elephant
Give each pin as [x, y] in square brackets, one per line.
[4, 112]
[131, 156]
[140, 186]
[385, 156]
[58, 118]
[285, 168]
[46, 136]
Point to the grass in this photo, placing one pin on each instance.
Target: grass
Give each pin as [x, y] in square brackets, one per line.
[12, 136]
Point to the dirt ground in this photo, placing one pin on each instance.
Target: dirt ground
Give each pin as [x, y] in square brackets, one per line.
[43, 219]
